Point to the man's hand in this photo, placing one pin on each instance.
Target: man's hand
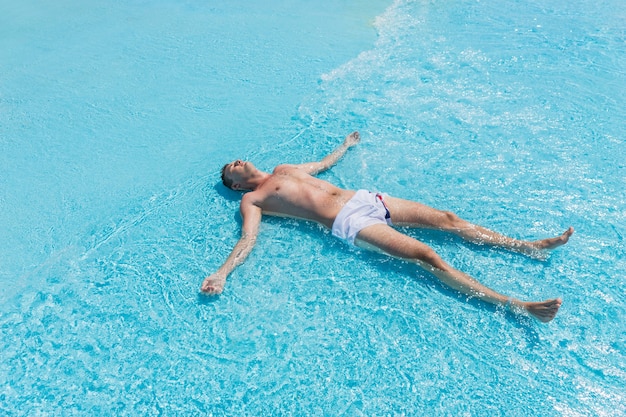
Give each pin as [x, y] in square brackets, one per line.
[313, 168]
[213, 284]
[352, 139]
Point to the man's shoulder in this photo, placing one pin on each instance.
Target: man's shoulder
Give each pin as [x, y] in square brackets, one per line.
[252, 199]
[258, 196]
[284, 168]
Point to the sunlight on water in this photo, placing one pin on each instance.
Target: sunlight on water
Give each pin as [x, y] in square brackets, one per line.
[510, 115]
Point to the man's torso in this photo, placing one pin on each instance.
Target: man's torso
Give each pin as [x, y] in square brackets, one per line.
[292, 192]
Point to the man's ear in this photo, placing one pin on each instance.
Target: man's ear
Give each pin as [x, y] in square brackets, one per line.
[236, 186]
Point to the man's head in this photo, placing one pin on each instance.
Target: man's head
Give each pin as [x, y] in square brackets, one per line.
[225, 178]
[237, 174]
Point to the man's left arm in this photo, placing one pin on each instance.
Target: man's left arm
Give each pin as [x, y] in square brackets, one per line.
[314, 168]
[251, 215]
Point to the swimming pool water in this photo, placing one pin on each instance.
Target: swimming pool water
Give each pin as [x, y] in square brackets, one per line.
[116, 118]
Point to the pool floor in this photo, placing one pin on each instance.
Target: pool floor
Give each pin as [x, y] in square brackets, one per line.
[115, 120]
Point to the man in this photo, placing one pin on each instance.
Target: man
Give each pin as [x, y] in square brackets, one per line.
[364, 219]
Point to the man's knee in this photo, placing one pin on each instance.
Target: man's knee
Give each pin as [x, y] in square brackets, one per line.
[450, 220]
[430, 257]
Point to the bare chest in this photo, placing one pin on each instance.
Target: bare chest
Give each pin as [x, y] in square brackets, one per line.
[307, 197]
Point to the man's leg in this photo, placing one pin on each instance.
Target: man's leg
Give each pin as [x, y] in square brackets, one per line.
[394, 243]
[410, 213]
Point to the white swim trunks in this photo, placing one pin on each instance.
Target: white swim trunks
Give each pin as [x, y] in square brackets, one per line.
[362, 210]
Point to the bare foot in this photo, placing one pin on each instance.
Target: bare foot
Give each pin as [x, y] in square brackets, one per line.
[543, 311]
[213, 285]
[554, 242]
[539, 248]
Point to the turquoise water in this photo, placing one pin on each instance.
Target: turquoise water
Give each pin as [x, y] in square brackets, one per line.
[116, 117]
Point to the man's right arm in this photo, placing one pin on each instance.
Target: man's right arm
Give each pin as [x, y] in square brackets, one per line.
[251, 214]
[314, 168]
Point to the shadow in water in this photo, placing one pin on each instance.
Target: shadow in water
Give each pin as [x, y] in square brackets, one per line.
[227, 193]
[204, 299]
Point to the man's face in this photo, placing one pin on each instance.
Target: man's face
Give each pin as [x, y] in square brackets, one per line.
[239, 171]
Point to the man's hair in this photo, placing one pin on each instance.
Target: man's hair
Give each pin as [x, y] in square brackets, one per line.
[225, 180]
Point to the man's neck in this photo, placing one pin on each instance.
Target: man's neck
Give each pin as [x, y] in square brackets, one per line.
[258, 180]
